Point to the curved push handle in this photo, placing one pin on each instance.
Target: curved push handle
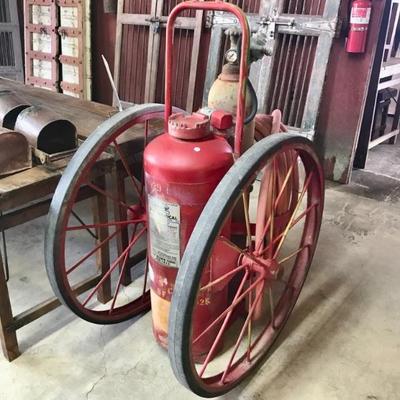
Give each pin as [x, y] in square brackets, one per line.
[241, 16]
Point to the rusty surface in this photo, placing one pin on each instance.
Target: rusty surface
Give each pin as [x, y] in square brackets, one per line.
[10, 106]
[344, 99]
[46, 130]
[15, 154]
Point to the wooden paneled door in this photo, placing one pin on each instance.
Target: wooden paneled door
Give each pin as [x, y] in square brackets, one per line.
[11, 65]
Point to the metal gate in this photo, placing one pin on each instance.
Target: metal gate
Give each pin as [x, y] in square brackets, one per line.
[10, 41]
[292, 79]
[140, 44]
[301, 34]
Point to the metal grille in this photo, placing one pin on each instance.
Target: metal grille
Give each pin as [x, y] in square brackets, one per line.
[137, 6]
[305, 7]
[4, 12]
[134, 62]
[183, 45]
[291, 77]
[7, 57]
[248, 6]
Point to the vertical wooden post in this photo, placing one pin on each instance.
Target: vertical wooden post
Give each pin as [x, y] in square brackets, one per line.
[100, 215]
[120, 214]
[8, 337]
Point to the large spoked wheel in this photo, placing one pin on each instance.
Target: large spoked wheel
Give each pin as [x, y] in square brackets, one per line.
[266, 271]
[96, 238]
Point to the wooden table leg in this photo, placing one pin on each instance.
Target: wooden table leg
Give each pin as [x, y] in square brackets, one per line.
[121, 214]
[8, 336]
[100, 215]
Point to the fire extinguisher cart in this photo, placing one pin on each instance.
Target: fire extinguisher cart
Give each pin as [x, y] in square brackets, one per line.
[230, 233]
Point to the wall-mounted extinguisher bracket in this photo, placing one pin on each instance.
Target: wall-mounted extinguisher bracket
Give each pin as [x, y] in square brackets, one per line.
[360, 17]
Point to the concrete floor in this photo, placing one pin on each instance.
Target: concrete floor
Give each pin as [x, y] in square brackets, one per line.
[342, 342]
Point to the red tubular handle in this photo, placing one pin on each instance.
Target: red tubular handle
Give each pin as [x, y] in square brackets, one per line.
[244, 71]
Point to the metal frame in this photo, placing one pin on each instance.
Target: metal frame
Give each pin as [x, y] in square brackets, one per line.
[13, 27]
[156, 21]
[385, 74]
[324, 27]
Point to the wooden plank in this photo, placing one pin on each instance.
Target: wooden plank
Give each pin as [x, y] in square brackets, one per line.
[153, 53]
[388, 84]
[194, 61]
[25, 187]
[144, 20]
[383, 138]
[121, 214]
[390, 70]
[46, 306]
[118, 49]
[36, 210]
[317, 82]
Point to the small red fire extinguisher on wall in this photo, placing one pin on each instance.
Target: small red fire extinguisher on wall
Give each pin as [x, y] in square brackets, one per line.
[359, 23]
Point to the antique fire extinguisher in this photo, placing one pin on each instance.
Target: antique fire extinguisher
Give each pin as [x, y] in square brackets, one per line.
[182, 169]
[359, 23]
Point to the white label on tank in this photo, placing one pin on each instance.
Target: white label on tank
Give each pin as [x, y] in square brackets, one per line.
[360, 16]
[164, 226]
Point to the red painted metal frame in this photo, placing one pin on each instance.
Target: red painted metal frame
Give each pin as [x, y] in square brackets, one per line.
[244, 64]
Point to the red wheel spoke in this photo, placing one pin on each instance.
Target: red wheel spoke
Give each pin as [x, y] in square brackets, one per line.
[108, 195]
[231, 307]
[305, 188]
[273, 208]
[223, 328]
[104, 225]
[293, 254]
[126, 166]
[223, 277]
[84, 258]
[294, 223]
[114, 265]
[242, 332]
[286, 180]
[121, 275]
[284, 185]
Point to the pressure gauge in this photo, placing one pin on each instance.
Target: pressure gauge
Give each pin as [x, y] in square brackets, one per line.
[231, 56]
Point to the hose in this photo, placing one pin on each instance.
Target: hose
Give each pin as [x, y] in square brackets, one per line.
[250, 88]
[254, 102]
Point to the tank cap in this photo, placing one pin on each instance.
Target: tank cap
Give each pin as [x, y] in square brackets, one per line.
[189, 126]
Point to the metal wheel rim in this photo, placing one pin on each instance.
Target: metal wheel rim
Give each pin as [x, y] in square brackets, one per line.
[180, 322]
[60, 209]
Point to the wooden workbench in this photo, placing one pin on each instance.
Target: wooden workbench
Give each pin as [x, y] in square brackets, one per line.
[27, 195]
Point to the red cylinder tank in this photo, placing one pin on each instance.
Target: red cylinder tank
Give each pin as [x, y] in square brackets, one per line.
[359, 24]
[182, 169]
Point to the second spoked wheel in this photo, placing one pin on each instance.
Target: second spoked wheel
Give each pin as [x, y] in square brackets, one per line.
[279, 184]
[96, 236]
